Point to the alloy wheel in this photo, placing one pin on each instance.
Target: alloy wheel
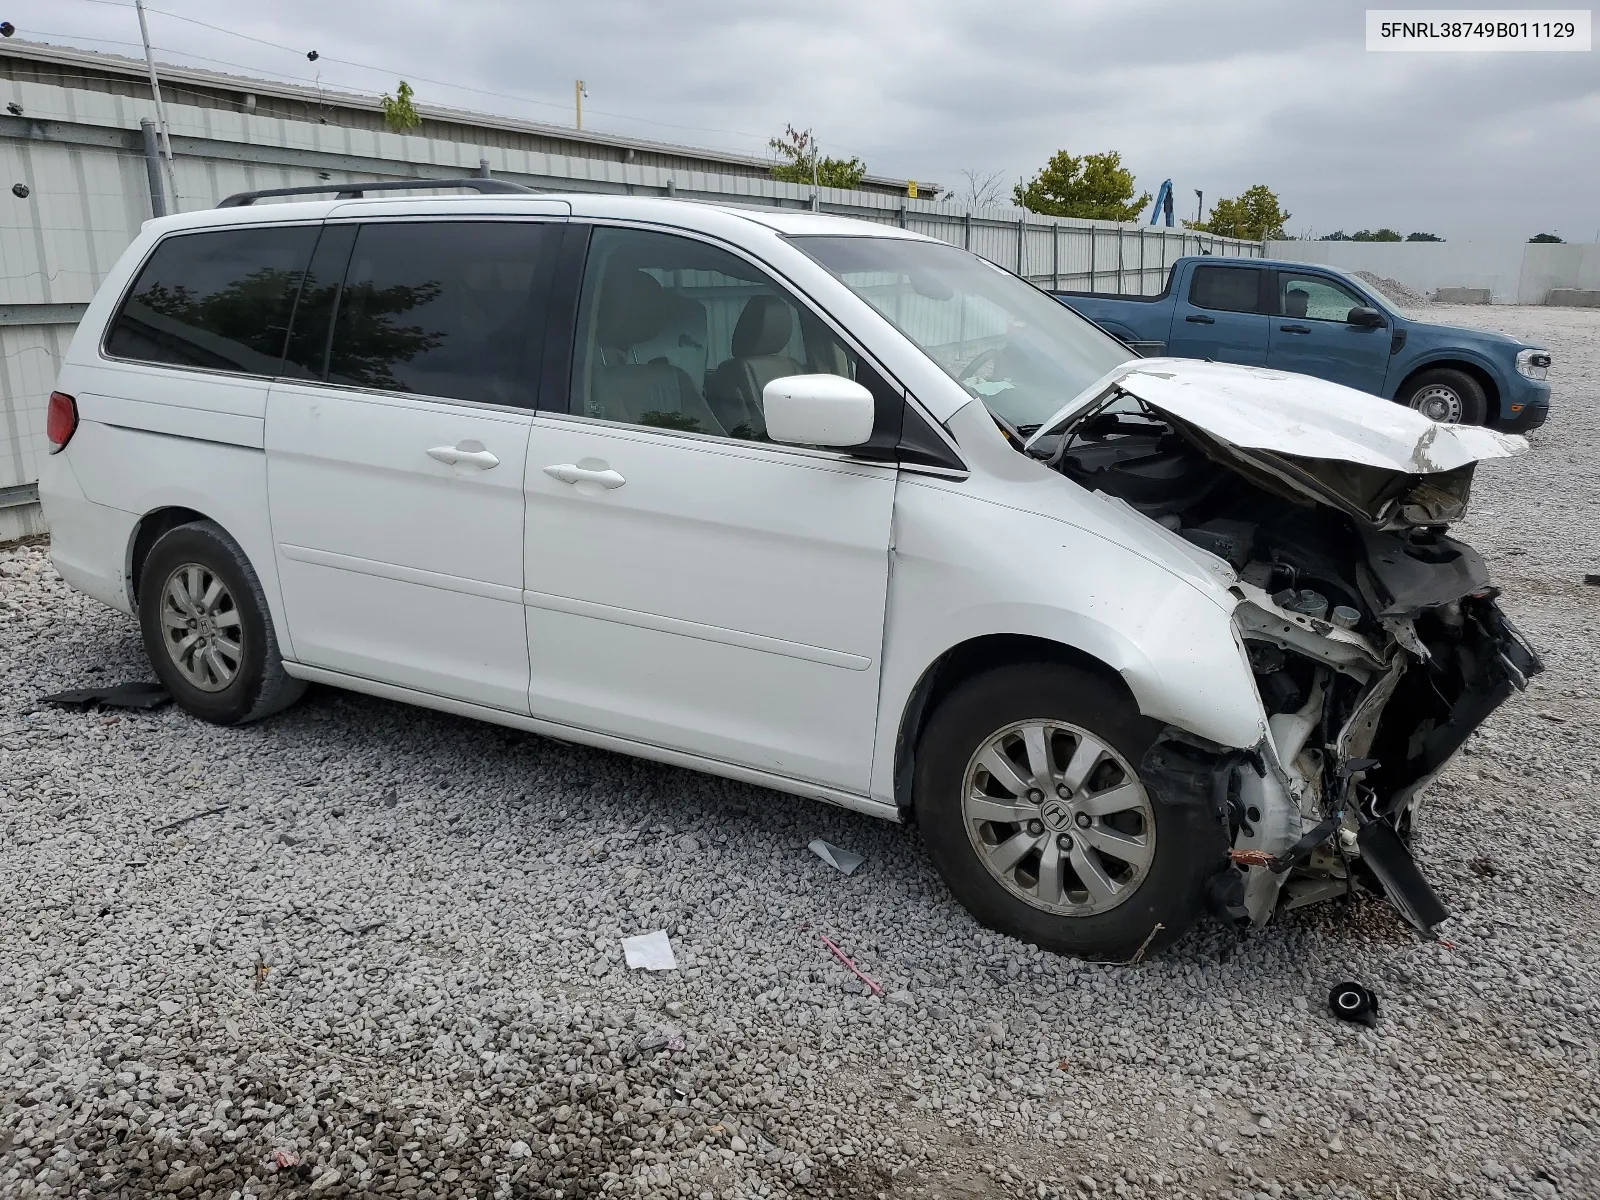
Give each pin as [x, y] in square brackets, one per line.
[1058, 817]
[200, 627]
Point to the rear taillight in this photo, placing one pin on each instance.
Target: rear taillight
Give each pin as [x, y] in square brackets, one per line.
[61, 422]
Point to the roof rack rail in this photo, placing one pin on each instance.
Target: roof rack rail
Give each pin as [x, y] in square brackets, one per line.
[354, 191]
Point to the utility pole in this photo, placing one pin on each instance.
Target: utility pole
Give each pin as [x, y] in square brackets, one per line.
[578, 93]
[1199, 206]
[161, 109]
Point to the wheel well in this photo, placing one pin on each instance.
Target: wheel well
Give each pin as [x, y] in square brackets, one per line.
[959, 664]
[151, 526]
[1485, 380]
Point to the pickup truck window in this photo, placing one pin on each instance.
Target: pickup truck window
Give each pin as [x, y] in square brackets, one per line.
[1314, 297]
[997, 336]
[1225, 289]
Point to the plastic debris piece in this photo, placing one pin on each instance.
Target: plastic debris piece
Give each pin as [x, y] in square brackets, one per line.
[661, 1039]
[137, 694]
[1352, 1002]
[1592, 579]
[877, 988]
[282, 1160]
[650, 951]
[841, 860]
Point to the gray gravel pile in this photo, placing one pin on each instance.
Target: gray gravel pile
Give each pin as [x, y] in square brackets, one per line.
[1395, 290]
[391, 966]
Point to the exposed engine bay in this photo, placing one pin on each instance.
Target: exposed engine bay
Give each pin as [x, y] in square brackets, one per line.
[1374, 637]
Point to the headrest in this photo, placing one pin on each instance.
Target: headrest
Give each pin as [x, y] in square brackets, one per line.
[764, 327]
[633, 309]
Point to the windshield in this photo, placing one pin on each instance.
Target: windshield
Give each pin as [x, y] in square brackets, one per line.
[1001, 339]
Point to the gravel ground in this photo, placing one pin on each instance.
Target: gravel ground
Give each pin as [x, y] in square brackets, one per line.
[391, 965]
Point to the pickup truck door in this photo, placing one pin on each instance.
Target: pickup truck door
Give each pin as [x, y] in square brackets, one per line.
[1312, 335]
[1220, 314]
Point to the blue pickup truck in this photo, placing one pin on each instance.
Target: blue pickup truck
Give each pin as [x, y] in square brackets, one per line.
[1318, 321]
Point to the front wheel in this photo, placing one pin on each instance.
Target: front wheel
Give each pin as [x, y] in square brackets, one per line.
[1030, 801]
[1449, 396]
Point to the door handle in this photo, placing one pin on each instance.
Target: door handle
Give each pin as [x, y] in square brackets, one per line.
[572, 473]
[1294, 328]
[1197, 319]
[464, 455]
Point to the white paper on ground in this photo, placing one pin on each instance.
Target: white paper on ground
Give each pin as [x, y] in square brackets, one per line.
[652, 951]
[842, 860]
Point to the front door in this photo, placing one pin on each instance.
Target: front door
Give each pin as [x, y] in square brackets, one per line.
[1221, 317]
[690, 584]
[395, 462]
[1311, 333]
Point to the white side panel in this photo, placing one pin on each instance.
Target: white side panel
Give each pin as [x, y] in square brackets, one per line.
[725, 600]
[140, 472]
[396, 566]
[89, 542]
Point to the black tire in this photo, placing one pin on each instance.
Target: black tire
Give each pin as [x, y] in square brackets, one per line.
[1189, 845]
[259, 687]
[1442, 381]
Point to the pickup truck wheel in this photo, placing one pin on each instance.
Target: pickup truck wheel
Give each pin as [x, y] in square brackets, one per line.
[207, 629]
[1450, 396]
[1029, 798]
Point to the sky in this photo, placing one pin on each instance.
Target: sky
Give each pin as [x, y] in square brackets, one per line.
[1215, 94]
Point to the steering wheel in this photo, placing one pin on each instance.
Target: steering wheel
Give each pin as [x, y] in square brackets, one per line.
[975, 368]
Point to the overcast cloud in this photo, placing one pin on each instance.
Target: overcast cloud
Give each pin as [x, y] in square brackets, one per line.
[1216, 94]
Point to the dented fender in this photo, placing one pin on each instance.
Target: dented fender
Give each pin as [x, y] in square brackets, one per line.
[1170, 638]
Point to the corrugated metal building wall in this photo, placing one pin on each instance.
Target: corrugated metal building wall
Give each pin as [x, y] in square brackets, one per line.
[78, 152]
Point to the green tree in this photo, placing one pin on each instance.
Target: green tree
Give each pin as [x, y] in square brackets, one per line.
[1096, 186]
[1375, 235]
[1423, 237]
[1255, 215]
[797, 149]
[398, 112]
[1544, 237]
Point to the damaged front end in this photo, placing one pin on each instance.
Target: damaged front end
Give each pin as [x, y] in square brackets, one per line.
[1374, 637]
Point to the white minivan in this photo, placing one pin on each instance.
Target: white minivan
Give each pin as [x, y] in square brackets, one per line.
[818, 504]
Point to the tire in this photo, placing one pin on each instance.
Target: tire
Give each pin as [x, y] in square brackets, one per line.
[1155, 903]
[232, 686]
[1455, 394]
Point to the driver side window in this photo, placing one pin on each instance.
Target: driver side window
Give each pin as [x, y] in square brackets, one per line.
[678, 334]
[1314, 298]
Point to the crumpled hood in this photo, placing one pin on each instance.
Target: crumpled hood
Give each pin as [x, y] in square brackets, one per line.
[1385, 464]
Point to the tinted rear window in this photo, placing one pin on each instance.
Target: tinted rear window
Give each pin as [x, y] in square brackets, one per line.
[1229, 289]
[219, 300]
[444, 309]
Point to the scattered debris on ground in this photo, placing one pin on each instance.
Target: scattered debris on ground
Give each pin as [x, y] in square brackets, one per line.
[843, 861]
[121, 695]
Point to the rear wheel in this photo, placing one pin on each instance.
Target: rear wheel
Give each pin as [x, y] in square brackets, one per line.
[1030, 800]
[207, 629]
[1449, 396]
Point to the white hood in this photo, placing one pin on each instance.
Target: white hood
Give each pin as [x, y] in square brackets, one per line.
[1295, 428]
[1255, 408]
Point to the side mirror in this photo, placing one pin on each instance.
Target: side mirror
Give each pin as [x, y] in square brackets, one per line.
[1365, 318]
[818, 410]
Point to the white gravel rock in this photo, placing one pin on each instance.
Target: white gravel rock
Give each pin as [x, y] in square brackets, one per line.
[391, 966]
